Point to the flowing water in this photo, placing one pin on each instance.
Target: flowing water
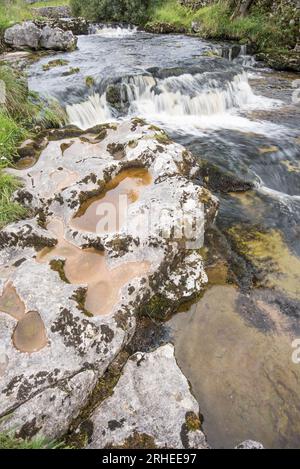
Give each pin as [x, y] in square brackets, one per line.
[242, 120]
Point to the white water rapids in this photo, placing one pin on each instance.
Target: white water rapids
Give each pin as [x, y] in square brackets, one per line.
[113, 31]
[177, 101]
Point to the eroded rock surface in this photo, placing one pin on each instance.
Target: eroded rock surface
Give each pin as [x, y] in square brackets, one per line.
[151, 403]
[44, 388]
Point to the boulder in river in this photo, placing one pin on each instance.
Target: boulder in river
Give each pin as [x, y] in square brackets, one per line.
[57, 39]
[164, 28]
[23, 35]
[286, 60]
[196, 27]
[29, 35]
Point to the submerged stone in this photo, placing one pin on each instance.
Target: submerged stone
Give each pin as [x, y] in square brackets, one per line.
[269, 253]
[243, 377]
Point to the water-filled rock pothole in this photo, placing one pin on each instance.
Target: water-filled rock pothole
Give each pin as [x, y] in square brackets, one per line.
[89, 267]
[122, 190]
[26, 162]
[11, 303]
[30, 334]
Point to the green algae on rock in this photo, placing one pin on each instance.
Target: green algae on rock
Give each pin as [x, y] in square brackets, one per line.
[269, 253]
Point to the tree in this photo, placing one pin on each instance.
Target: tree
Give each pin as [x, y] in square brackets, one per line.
[241, 8]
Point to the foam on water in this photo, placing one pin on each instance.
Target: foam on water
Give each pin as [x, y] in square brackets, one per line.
[113, 31]
[90, 113]
[180, 103]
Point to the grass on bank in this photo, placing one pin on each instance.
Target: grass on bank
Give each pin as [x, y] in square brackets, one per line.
[216, 23]
[14, 11]
[258, 27]
[9, 441]
[12, 132]
[19, 114]
[9, 210]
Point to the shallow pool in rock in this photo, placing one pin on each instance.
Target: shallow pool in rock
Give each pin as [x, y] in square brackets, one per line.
[11, 303]
[30, 334]
[106, 212]
[89, 267]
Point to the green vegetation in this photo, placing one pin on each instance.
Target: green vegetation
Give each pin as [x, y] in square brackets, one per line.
[55, 63]
[169, 11]
[10, 441]
[131, 11]
[89, 81]
[9, 210]
[14, 11]
[71, 71]
[12, 132]
[215, 21]
[51, 3]
[19, 114]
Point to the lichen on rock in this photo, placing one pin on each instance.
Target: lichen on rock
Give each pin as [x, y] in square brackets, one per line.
[162, 410]
[42, 392]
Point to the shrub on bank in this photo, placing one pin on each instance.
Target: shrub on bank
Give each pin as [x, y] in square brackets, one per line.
[133, 11]
[267, 29]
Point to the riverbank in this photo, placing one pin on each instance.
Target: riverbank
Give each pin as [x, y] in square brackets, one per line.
[22, 115]
[271, 29]
[273, 33]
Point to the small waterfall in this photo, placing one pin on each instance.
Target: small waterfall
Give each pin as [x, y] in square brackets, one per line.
[186, 95]
[244, 58]
[89, 113]
[197, 101]
[113, 31]
[237, 54]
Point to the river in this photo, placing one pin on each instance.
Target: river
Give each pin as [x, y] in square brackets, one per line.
[234, 343]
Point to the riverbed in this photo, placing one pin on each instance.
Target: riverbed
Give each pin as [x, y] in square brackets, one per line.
[242, 120]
